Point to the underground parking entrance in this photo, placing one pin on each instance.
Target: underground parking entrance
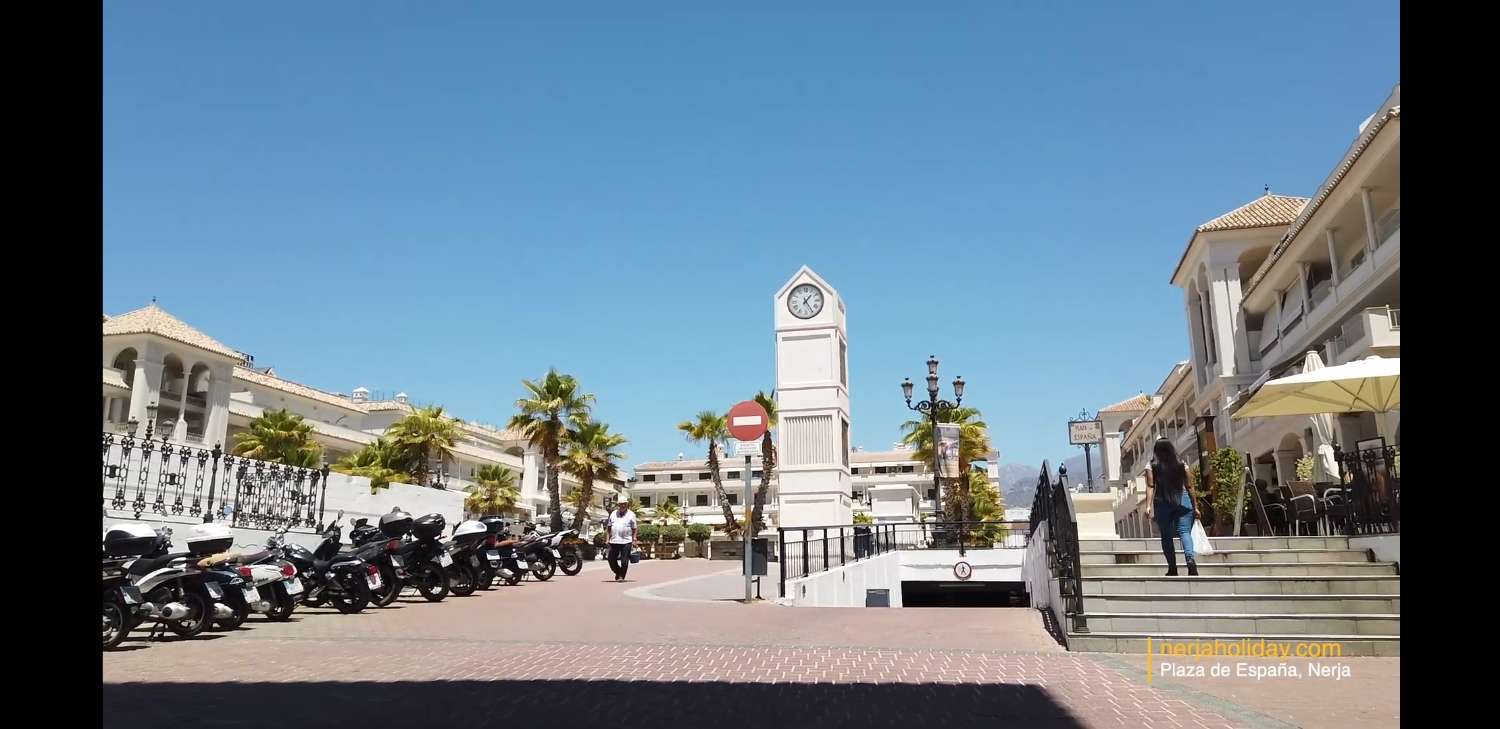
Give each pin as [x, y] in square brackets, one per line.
[918, 594]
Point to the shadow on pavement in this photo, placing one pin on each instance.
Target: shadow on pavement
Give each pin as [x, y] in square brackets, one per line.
[613, 703]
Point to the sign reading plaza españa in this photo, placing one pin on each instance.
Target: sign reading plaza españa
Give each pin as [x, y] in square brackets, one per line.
[946, 450]
[1085, 432]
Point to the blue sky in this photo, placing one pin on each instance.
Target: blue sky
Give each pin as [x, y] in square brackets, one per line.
[446, 199]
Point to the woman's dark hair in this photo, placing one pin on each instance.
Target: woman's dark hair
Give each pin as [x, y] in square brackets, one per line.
[1171, 475]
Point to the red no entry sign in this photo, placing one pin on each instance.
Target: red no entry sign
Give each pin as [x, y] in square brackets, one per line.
[747, 421]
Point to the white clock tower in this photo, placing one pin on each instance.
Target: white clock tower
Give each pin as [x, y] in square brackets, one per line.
[812, 393]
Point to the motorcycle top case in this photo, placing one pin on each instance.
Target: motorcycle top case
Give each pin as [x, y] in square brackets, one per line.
[395, 524]
[130, 540]
[471, 532]
[206, 539]
[429, 527]
[495, 524]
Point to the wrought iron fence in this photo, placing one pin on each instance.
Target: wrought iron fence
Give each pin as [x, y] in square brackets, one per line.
[806, 551]
[1369, 501]
[152, 475]
[1054, 507]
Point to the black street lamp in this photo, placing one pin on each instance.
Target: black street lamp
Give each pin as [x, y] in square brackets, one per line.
[933, 408]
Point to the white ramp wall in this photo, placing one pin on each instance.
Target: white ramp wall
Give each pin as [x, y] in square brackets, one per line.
[845, 586]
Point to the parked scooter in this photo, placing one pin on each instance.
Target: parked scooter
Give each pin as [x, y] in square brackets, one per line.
[177, 596]
[123, 604]
[467, 565]
[271, 583]
[536, 550]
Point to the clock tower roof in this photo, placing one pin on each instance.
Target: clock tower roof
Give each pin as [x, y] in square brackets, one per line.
[802, 275]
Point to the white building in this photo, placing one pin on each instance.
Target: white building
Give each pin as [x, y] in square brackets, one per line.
[890, 486]
[1264, 285]
[206, 392]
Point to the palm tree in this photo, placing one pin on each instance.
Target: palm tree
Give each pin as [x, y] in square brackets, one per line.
[422, 437]
[494, 491]
[378, 461]
[666, 511]
[546, 410]
[989, 505]
[279, 436]
[711, 427]
[768, 460]
[974, 444]
[591, 455]
[578, 501]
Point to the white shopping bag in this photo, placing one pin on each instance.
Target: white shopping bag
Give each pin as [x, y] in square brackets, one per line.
[1201, 545]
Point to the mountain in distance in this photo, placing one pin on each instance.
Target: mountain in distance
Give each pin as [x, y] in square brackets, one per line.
[1018, 480]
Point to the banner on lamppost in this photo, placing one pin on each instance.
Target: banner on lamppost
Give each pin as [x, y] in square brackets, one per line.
[946, 450]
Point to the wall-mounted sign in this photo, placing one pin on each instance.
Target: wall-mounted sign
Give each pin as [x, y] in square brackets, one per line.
[1085, 432]
[963, 570]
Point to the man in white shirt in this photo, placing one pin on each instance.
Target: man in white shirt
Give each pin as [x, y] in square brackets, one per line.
[621, 527]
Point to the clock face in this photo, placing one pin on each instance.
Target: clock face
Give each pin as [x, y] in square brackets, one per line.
[805, 301]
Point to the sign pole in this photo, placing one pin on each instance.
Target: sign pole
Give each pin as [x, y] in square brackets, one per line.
[1088, 467]
[748, 421]
[749, 496]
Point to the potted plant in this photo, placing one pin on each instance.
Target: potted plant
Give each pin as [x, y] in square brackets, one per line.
[700, 533]
[1227, 489]
[648, 534]
[671, 540]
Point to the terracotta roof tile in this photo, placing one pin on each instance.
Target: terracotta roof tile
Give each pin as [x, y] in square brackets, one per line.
[1265, 211]
[152, 319]
[1139, 402]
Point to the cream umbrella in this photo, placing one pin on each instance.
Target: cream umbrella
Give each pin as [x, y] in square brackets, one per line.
[1322, 425]
[1369, 385]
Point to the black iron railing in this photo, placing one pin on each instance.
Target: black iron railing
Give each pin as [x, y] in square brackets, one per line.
[152, 475]
[806, 551]
[1053, 507]
[1369, 500]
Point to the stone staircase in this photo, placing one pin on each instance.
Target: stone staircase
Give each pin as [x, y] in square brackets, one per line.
[1280, 589]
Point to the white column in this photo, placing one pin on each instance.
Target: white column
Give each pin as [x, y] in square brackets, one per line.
[1364, 196]
[180, 433]
[145, 389]
[108, 402]
[1333, 256]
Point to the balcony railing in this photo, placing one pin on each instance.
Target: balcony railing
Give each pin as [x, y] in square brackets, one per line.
[1387, 227]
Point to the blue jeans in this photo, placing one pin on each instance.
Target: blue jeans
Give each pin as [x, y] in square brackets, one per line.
[1175, 520]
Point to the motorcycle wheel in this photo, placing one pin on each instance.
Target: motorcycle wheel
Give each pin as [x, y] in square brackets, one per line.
[282, 606]
[390, 587]
[486, 579]
[463, 581]
[234, 621]
[429, 580]
[571, 562]
[201, 614]
[115, 625]
[514, 578]
[310, 601]
[544, 570]
[354, 597]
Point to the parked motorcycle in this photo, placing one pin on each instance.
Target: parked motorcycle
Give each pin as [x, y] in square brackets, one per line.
[329, 576]
[381, 547]
[422, 560]
[537, 550]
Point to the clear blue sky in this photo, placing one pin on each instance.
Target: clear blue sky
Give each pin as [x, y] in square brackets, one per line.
[445, 198]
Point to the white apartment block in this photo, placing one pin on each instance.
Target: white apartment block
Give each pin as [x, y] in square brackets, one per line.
[890, 486]
[1264, 285]
[206, 392]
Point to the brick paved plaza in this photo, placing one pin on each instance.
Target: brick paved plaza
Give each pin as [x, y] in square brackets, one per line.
[575, 651]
